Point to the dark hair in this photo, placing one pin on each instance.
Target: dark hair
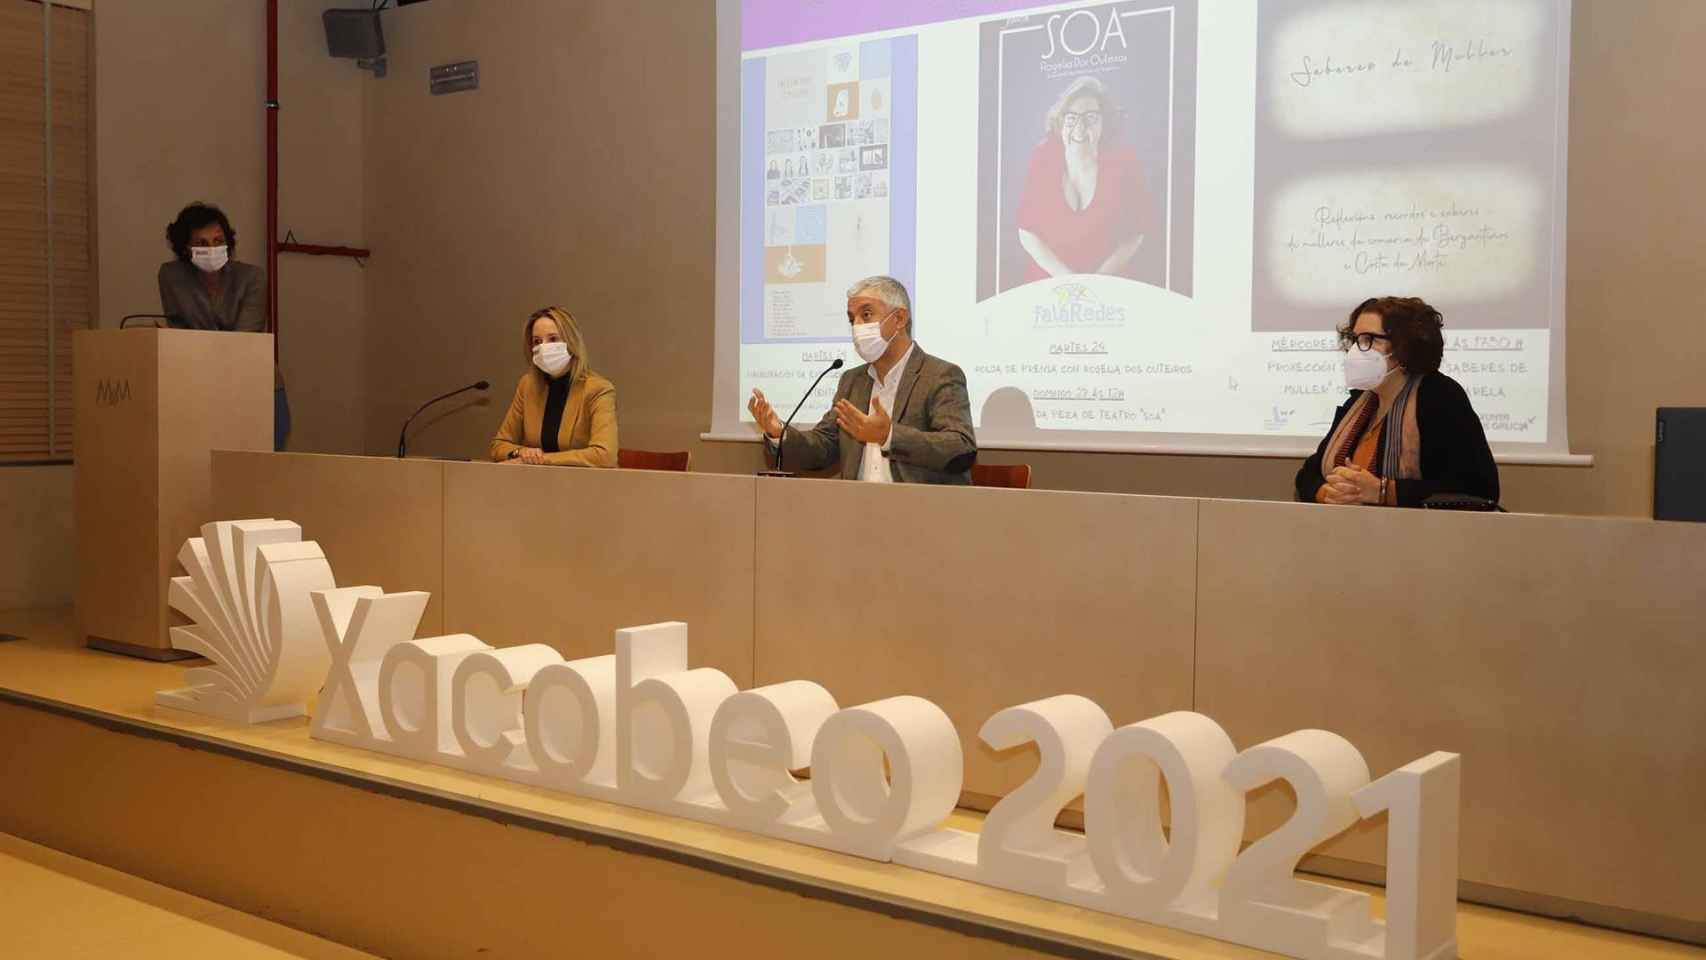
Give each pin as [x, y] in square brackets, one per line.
[193, 218]
[1413, 326]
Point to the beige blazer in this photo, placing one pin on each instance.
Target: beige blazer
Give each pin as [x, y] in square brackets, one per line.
[587, 437]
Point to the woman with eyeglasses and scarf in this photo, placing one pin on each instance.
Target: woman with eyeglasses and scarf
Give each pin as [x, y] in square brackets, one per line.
[1408, 431]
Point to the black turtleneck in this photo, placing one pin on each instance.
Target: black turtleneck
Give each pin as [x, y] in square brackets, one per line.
[556, 398]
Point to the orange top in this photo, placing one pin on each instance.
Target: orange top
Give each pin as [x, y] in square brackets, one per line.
[1363, 455]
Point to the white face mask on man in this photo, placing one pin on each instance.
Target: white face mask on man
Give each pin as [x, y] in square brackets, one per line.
[869, 342]
[209, 259]
[551, 358]
[1364, 369]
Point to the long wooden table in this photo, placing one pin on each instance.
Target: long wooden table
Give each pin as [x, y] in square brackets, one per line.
[1561, 656]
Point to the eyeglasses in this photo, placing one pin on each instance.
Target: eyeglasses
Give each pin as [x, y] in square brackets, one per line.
[1090, 118]
[1365, 341]
[865, 315]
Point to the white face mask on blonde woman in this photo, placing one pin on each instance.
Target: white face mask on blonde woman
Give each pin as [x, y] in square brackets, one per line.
[551, 358]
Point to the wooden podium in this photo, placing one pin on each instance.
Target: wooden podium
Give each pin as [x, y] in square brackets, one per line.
[151, 405]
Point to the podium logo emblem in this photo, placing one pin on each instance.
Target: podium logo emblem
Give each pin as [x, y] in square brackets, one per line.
[111, 393]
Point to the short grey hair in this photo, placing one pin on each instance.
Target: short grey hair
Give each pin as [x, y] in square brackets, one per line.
[888, 290]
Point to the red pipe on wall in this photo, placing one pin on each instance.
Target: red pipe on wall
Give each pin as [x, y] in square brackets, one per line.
[272, 173]
[274, 247]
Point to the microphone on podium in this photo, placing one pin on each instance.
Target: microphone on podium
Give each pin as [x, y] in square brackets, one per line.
[779, 472]
[403, 434]
[124, 321]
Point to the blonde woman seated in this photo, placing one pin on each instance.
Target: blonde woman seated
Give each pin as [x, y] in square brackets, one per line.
[563, 414]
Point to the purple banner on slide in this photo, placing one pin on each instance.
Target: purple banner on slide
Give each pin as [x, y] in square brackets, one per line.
[752, 201]
[775, 23]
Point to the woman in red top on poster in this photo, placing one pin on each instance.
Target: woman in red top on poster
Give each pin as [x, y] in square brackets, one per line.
[1084, 209]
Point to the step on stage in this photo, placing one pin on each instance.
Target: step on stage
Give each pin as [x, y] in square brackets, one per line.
[409, 859]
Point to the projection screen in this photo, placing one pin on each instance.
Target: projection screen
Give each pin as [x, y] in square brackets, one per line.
[1135, 225]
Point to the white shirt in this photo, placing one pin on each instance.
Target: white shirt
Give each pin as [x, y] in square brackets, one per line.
[874, 468]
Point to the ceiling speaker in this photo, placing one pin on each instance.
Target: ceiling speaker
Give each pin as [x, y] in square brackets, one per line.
[354, 33]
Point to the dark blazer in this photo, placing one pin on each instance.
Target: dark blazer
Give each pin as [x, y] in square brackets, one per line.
[1455, 456]
[932, 440]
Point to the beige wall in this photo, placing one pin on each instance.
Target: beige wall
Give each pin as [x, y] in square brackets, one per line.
[37, 546]
[177, 118]
[1637, 218]
[322, 302]
[581, 172]
[179, 89]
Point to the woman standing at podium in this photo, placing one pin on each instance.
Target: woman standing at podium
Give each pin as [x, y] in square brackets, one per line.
[563, 414]
[203, 288]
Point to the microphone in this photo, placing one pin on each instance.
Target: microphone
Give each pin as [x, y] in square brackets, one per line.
[125, 320]
[402, 435]
[833, 366]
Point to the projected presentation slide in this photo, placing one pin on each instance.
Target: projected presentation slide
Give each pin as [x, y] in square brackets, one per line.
[1137, 223]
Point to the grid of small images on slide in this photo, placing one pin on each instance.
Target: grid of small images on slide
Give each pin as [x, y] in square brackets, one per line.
[829, 141]
[845, 160]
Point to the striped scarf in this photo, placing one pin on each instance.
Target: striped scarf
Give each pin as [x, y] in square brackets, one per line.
[1403, 459]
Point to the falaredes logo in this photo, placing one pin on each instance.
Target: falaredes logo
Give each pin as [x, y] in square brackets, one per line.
[1074, 304]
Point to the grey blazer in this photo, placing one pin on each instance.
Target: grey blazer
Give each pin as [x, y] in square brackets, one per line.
[241, 307]
[242, 303]
[932, 440]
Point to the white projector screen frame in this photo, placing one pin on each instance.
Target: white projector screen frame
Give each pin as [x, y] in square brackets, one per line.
[1208, 253]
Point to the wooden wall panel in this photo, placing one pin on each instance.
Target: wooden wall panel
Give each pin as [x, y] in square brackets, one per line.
[567, 556]
[977, 600]
[379, 520]
[1560, 656]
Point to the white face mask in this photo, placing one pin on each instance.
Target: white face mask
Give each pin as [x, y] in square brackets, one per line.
[1364, 369]
[551, 358]
[208, 259]
[869, 342]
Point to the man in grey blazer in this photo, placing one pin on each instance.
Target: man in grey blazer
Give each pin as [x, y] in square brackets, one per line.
[901, 417]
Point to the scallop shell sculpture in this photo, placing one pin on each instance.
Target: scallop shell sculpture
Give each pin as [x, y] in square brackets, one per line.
[248, 597]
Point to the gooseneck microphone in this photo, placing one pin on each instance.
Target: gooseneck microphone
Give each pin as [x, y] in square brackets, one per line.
[833, 366]
[402, 435]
